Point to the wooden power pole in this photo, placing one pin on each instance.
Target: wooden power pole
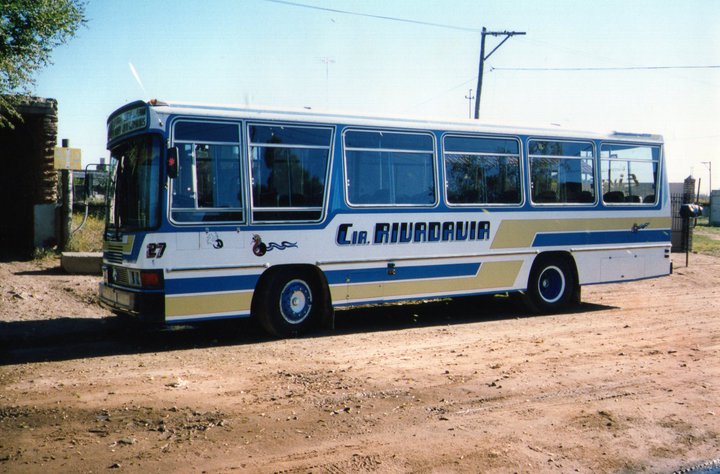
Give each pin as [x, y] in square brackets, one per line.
[483, 58]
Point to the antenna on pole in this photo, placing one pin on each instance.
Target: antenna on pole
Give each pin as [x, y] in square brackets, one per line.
[327, 61]
[469, 98]
[484, 57]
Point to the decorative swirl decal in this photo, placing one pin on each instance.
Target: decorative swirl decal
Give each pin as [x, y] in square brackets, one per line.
[260, 248]
[636, 227]
[281, 246]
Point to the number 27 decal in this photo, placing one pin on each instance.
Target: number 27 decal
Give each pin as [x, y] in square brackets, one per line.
[156, 250]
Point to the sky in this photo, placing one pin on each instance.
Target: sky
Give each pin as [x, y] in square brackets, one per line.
[598, 65]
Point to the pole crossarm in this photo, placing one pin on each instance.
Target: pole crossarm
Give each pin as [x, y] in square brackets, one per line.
[484, 57]
[507, 35]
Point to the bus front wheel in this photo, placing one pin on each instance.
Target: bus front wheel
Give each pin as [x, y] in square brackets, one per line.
[551, 286]
[288, 304]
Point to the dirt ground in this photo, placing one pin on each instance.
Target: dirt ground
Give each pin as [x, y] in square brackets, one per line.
[628, 382]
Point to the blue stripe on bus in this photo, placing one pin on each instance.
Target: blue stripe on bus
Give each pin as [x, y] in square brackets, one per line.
[604, 237]
[370, 275]
[179, 286]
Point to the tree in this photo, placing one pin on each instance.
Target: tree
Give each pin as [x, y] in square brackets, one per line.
[29, 31]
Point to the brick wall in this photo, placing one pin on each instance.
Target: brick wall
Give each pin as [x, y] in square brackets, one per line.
[27, 174]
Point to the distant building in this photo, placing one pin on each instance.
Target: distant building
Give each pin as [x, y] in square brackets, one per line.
[676, 188]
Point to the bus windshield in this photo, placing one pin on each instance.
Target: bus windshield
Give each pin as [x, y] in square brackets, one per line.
[134, 193]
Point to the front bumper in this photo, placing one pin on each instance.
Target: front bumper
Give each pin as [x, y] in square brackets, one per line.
[145, 306]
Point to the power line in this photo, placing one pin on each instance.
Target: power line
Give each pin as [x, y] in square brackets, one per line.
[446, 91]
[379, 17]
[594, 54]
[620, 68]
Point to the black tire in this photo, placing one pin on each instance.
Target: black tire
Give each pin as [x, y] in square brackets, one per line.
[288, 304]
[551, 286]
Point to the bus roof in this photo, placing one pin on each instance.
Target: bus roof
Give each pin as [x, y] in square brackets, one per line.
[331, 117]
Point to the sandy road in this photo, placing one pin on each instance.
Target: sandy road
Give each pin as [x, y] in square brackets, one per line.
[629, 382]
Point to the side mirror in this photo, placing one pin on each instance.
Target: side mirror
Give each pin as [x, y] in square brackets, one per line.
[172, 162]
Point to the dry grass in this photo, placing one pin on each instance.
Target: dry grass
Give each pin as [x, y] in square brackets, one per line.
[89, 237]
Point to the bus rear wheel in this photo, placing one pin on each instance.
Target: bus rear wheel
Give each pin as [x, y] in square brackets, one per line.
[288, 304]
[551, 286]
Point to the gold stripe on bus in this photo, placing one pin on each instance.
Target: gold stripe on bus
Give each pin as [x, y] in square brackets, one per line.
[492, 275]
[521, 233]
[207, 304]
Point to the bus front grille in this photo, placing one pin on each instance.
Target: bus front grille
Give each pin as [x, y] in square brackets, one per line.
[120, 276]
[124, 276]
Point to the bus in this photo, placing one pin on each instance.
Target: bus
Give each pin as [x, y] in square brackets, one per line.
[285, 215]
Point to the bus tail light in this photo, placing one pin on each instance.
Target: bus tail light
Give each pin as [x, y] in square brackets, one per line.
[151, 279]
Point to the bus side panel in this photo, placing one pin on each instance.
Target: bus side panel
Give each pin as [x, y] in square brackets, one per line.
[204, 278]
[620, 265]
[431, 279]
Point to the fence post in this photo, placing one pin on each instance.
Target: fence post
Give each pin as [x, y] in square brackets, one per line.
[66, 206]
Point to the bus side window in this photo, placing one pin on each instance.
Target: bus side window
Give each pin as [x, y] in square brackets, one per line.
[289, 168]
[629, 173]
[482, 170]
[389, 168]
[218, 176]
[208, 185]
[184, 186]
[562, 171]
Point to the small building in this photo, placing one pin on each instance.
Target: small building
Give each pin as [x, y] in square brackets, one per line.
[28, 180]
[715, 208]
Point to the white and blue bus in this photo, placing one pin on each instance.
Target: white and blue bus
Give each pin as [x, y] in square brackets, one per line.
[283, 216]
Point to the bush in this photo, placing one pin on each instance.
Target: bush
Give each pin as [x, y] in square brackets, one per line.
[89, 238]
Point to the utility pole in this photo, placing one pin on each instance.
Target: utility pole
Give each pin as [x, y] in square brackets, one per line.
[328, 61]
[469, 97]
[483, 58]
[709, 166]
